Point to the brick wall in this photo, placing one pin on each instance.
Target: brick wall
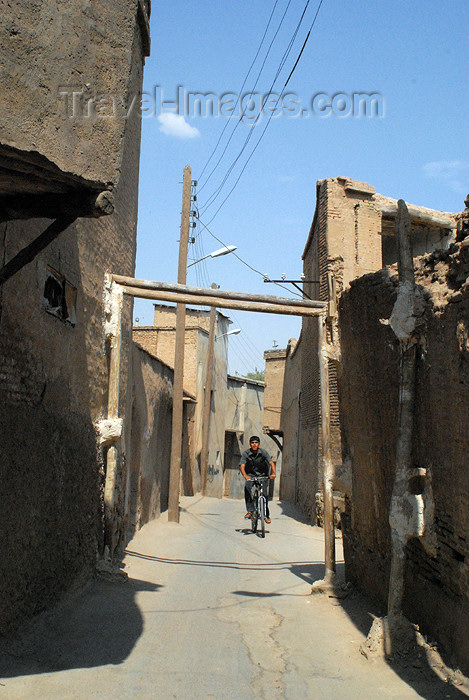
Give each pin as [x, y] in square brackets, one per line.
[436, 591]
[289, 424]
[53, 381]
[274, 384]
[149, 452]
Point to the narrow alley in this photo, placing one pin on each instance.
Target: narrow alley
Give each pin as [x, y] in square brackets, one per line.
[210, 610]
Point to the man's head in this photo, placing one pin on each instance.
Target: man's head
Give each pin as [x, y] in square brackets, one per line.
[254, 442]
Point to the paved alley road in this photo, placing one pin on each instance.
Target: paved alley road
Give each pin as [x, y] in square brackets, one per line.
[210, 610]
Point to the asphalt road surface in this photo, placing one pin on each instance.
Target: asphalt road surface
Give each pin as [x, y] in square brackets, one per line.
[211, 610]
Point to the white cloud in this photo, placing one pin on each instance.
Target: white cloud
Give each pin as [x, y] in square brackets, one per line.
[175, 125]
[453, 173]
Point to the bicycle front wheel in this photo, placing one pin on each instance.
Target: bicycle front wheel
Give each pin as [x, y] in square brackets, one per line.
[262, 515]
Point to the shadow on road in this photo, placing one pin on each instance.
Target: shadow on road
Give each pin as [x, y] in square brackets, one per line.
[413, 668]
[412, 665]
[98, 626]
[295, 566]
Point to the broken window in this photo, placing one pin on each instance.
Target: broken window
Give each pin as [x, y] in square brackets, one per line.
[60, 297]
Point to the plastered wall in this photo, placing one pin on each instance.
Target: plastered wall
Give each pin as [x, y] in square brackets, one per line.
[53, 375]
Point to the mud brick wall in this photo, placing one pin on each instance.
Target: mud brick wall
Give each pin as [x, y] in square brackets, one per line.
[289, 425]
[437, 590]
[274, 383]
[53, 375]
[149, 453]
[66, 82]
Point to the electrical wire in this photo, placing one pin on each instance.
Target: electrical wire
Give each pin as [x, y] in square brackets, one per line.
[248, 138]
[262, 274]
[242, 87]
[243, 114]
[217, 192]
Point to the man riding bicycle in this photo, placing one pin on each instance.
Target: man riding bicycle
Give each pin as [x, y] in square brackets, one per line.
[255, 462]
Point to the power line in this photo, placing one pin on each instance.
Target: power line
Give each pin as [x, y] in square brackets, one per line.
[248, 138]
[251, 92]
[230, 169]
[262, 274]
[242, 87]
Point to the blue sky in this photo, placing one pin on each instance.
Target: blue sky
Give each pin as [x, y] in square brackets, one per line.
[411, 54]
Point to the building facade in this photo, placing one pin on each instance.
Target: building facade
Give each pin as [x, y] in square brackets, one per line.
[352, 235]
[68, 211]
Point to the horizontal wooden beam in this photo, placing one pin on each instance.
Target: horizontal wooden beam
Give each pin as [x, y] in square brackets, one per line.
[216, 294]
[293, 309]
[54, 206]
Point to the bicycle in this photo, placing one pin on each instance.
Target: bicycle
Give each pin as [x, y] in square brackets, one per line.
[260, 504]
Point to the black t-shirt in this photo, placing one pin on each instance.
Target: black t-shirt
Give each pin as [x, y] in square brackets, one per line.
[257, 463]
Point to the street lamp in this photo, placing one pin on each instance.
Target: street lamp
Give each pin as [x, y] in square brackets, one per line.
[216, 254]
[235, 331]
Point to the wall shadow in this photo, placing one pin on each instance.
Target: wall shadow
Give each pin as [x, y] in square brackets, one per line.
[293, 511]
[100, 625]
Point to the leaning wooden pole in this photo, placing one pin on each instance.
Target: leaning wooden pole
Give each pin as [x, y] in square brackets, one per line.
[407, 371]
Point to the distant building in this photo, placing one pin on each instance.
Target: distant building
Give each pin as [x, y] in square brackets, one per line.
[352, 234]
[237, 403]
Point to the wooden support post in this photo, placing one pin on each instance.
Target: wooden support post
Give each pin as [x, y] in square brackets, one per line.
[116, 300]
[208, 396]
[178, 389]
[400, 530]
[327, 467]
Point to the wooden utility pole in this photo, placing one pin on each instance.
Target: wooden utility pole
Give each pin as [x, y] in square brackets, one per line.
[176, 431]
[208, 394]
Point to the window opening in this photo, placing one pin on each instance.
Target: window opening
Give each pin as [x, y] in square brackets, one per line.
[60, 297]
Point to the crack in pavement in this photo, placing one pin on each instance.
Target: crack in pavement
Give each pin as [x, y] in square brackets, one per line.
[257, 626]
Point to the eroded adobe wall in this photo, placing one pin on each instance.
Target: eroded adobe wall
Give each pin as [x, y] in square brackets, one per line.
[53, 375]
[289, 422]
[66, 82]
[436, 593]
[149, 453]
[274, 383]
[345, 242]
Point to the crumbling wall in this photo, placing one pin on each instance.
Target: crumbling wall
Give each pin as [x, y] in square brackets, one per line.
[149, 452]
[436, 591]
[291, 400]
[54, 365]
[66, 81]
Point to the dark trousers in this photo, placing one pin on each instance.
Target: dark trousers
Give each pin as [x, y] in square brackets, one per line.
[250, 505]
